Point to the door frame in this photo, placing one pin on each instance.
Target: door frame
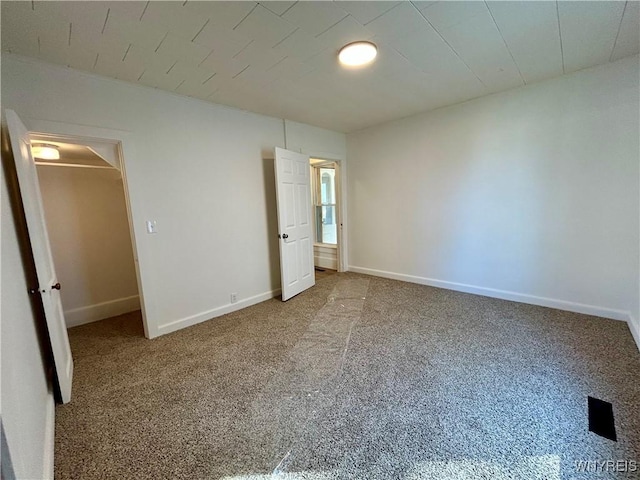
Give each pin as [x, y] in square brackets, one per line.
[119, 139]
[341, 195]
[335, 165]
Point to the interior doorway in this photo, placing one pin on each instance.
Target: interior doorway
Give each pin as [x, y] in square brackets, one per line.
[86, 212]
[325, 195]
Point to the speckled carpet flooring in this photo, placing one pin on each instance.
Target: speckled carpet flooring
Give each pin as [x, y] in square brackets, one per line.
[359, 377]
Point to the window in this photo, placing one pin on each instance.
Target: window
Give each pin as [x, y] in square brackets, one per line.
[325, 205]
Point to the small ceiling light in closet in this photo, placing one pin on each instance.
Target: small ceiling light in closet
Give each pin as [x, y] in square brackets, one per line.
[45, 151]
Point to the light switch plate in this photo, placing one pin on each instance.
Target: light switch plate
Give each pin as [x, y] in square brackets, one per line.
[152, 226]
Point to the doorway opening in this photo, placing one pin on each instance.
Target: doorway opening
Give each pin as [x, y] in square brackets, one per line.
[88, 224]
[325, 197]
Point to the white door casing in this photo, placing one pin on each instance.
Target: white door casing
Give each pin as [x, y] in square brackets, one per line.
[48, 285]
[295, 227]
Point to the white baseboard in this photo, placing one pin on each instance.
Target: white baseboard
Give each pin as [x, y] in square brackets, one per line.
[634, 326]
[216, 312]
[100, 311]
[49, 439]
[502, 294]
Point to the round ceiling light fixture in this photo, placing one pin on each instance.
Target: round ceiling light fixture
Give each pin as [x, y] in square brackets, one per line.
[357, 54]
[45, 151]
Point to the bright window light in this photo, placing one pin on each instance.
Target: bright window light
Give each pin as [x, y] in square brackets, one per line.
[357, 54]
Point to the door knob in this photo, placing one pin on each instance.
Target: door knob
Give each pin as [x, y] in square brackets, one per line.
[285, 236]
[57, 286]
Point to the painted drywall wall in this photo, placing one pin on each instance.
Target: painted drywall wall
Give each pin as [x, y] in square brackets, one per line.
[26, 398]
[315, 141]
[203, 172]
[88, 229]
[531, 194]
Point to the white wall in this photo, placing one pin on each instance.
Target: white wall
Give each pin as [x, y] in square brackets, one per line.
[203, 172]
[531, 194]
[315, 141]
[26, 398]
[89, 234]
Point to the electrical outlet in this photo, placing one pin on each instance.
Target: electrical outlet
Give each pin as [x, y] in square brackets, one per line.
[234, 297]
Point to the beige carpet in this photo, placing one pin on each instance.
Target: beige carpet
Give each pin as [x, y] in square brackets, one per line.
[359, 377]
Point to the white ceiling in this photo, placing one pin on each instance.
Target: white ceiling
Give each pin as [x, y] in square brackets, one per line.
[279, 57]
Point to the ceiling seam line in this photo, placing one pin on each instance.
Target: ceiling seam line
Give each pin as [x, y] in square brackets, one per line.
[205, 58]
[200, 31]
[277, 63]
[383, 13]
[560, 35]
[145, 10]
[297, 28]
[170, 68]
[243, 48]
[402, 55]
[214, 74]
[448, 44]
[161, 41]
[619, 28]
[127, 52]
[240, 71]
[327, 29]
[290, 7]
[105, 21]
[505, 43]
[245, 17]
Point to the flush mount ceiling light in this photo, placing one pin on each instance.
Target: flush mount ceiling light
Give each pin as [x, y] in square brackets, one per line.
[45, 151]
[357, 54]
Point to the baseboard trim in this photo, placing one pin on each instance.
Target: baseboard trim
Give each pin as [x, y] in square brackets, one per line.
[49, 439]
[100, 311]
[634, 326]
[501, 294]
[216, 312]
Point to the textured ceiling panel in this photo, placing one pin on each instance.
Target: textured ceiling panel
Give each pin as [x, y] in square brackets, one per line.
[588, 31]
[629, 34]
[315, 18]
[279, 58]
[530, 29]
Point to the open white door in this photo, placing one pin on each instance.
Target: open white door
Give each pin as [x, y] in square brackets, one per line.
[48, 285]
[295, 229]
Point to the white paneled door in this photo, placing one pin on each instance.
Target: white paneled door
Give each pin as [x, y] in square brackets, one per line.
[48, 286]
[295, 228]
